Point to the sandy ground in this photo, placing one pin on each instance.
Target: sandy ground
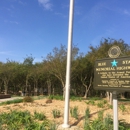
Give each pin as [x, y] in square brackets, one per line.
[42, 107]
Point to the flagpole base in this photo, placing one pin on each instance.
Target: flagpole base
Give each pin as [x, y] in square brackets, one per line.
[65, 126]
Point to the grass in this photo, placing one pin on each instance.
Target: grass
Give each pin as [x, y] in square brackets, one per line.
[103, 123]
[122, 108]
[56, 113]
[11, 102]
[124, 100]
[39, 116]
[30, 99]
[39, 97]
[60, 97]
[56, 97]
[74, 112]
[19, 120]
[91, 102]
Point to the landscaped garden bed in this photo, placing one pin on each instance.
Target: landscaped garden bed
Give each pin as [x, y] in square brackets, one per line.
[47, 114]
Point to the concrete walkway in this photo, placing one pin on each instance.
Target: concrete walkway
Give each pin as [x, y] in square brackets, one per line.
[9, 99]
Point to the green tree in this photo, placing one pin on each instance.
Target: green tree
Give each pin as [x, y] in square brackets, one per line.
[101, 51]
[56, 63]
[83, 74]
[7, 70]
[27, 68]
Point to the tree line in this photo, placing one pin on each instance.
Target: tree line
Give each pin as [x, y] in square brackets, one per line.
[48, 76]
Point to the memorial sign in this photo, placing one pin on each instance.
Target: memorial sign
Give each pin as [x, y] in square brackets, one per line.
[112, 74]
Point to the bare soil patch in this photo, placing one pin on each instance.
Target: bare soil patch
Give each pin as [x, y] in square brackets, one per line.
[42, 107]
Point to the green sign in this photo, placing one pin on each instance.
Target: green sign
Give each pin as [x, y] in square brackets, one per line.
[112, 74]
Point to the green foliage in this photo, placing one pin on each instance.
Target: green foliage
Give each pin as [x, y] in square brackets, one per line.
[100, 115]
[23, 120]
[56, 113]
[15, 119]
[100, 104]
[91, 102]
[57, 97]
[110, 106]
[94, 98]
[108, 123]
[74, 98]
[104, 101]
[87, 113]
[74, 112]
[103, 123]
[12, 102]
[60, 97]
[39, 116]
[39, 97]
[122, 108]
[28, 99]
[53, 126]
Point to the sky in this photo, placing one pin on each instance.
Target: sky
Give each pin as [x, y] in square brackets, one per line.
[36, 27]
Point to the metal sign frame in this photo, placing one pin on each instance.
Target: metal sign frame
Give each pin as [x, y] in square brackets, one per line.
[112, 74]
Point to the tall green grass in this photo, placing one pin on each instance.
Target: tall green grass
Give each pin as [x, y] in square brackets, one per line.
[11, 102]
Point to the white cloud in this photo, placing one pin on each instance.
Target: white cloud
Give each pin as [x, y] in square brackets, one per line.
[5, 52]
[46, 4]
[14, 22]
[60, 14]
[126, 12]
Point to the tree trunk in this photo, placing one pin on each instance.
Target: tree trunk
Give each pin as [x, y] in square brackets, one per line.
[36, 89]
[86, 91]
[1, 86]
[122, 95]
[6, 87]
[87, 88]
[109, 97]
[49, 87]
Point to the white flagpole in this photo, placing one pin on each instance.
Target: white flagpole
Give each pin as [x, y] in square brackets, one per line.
[67, 86]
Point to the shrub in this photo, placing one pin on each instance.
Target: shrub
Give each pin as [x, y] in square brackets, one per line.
[28, 99]
[48, 101]
[74, 98]
[53, 126]
[104, 101]
[100, 104]
[122, 108]
[87, 113]
[110, 106]
[57, 97]
[108, 123]
[91, 102]
[74, 112]
[56, 113]
[39, 116]
[100, 115]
